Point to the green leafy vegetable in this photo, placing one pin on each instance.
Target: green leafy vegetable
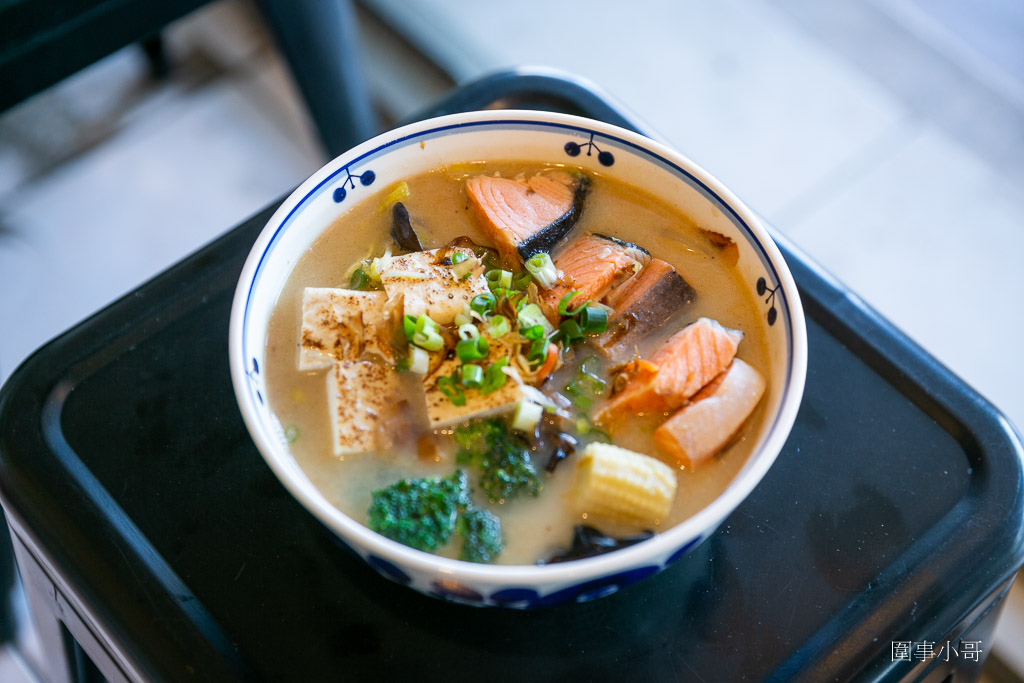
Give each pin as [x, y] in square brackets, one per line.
[359, 280]
[419, 513]
[482, 532]
[503, 458]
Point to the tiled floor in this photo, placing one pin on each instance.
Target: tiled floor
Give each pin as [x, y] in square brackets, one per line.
[885, 140]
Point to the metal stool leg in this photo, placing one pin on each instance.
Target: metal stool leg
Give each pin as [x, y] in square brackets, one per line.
[321, 43]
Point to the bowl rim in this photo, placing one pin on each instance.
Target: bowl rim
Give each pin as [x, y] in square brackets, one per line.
[693, 528]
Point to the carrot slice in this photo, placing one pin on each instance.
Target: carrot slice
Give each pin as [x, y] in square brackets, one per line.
[549, 363]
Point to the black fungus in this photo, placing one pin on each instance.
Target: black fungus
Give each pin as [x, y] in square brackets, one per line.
[588, 542]
[564, 446]
[401, 229]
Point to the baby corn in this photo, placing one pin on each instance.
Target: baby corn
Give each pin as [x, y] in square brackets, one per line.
[621, 485]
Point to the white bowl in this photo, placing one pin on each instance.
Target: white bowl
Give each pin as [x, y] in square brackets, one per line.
[530, 136]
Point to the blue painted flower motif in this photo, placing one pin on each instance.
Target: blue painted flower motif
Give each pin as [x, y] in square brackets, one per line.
[762, 287]
[685, 550]
[573, 149]
[598, 588]
[514, 597]
[453, 591]
[388, 569]
[365, 179]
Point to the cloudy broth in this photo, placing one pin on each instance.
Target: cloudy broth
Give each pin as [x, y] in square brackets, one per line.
[533, 527]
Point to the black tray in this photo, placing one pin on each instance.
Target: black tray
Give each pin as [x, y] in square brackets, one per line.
[893, 514]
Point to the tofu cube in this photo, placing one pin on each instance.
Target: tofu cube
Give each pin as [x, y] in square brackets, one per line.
[360, 398]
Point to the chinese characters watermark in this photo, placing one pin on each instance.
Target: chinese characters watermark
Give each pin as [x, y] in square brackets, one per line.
[908, 651]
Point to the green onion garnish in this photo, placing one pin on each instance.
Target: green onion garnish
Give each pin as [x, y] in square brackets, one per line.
[359, 280]
[594, 320]
[563, 305]
[570, 329]
[494, 378]
[450, 388]
[580, 397]
[468, 331]
[459, 257]
[497, 326]
[591, 365]
[543, 270]
[483, 303]
[426, 333]
[409, 324]
[535, 332]
[530, 315]
[522, 279]
[498, 279]
[472, 376]
[418, 360]
[471, 349]
[539, 350]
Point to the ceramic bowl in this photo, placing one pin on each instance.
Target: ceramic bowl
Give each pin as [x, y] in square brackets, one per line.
[356, 175]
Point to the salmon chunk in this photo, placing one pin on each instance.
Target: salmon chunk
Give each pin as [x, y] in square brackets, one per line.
[643, 304]
[592, 265]
[713, 417]
[525, 217]
[686, 362]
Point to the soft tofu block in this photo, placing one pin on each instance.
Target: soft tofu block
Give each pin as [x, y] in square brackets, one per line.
[713, 417]
[339, 324]
[429, 288]
[360, 396]
[442, 412]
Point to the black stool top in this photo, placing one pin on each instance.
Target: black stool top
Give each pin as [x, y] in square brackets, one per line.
[893, 512]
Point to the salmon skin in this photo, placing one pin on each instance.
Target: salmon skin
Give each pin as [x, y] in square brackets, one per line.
[526, 217]
[592, 265]
[686, 362]
[713, 417]
[642, 304]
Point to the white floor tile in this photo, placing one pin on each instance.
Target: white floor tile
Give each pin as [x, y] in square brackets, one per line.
[112, 218]
[732, 84]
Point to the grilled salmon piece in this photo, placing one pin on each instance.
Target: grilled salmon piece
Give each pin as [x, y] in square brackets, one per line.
[592, 265]
[715, 414]
[643, 304]
[525, 217]
[686, 362]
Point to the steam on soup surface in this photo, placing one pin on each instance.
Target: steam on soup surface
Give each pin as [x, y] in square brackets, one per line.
[517, 363]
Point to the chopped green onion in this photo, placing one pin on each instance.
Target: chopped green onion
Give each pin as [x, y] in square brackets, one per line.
[580, 397]
[494, 378]
[472, 376]
[458, 257]
[594, 320]
[419, 360]
[535, 332]
[539, 350]
[359, 280]
[497, 326]
[543, 270]
[570, 329]
[450, 388]
[471, 349]
[462, 319]
[530, 315]
[498, 279]
[522, 279]
[591, 365]
[430, 340]
[291, 433]
[527, 416]
[563, 305]
[483, 303]
[463, 264]
[409, 324]
[468, 331]
[426, 333]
